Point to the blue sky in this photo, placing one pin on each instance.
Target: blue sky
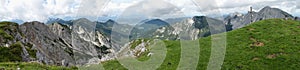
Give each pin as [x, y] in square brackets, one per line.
[122, 10]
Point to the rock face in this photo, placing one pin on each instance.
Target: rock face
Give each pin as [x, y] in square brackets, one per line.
[58, 44]
[89, 43]
[136, 48]
[89, 39]
[62, 31]
[89, 46]
[10, 33]
[51, 49]
[240, 20]
[188, 29]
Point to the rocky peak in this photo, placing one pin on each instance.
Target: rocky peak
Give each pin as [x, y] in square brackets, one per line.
[51, 49]
[110, 21]
[265, 13]
[266, 8]
[63, 31]
[268, 12]
[156, 22]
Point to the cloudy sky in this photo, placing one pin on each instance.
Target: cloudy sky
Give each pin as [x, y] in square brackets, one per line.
[122, 10]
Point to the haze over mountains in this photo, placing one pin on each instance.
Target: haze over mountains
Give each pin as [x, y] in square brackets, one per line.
[81, 41]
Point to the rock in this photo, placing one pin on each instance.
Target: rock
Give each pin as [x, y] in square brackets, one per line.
[271, 56]
[189, 29]
[238, 20]
[51, 49]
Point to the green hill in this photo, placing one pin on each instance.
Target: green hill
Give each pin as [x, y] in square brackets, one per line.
[31, 66]
[271, 44]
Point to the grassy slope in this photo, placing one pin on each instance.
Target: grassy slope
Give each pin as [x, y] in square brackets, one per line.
[265, 45]
[31, 66]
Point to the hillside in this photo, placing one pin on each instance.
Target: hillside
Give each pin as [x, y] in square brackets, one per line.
[14, 52]
[48, 44]
[271, 44]
[31, 66]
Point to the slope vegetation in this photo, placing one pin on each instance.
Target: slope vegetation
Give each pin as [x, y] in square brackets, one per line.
[271, 44]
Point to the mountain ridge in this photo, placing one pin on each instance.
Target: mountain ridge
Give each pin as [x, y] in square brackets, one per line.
[57, 42]
[270, 43]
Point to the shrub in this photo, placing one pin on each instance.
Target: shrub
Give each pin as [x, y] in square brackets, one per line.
[11, 53]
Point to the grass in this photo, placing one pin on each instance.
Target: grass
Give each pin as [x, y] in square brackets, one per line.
[11, 53]
[31, 66]
[280, 49]
[271, 44]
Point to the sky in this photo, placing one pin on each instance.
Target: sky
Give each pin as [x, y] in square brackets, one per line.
[126, 10]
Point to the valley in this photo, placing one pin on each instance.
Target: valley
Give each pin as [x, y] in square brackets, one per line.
[266, 39]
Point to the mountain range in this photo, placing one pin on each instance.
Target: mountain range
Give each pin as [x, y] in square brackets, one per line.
[81, 41]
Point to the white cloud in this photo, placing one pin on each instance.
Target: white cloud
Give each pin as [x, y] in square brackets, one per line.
[41, 10]
[19, 9]
[212, 7]
[35, 10]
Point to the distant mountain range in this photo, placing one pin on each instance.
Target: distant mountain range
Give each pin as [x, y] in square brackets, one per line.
[81, 41]
[232, 21]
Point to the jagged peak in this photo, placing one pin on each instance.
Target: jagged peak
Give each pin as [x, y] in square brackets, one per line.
[110, 21]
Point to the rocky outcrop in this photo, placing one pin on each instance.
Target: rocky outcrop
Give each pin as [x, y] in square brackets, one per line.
[51, 49]
[63, 31]
[89, 45]
[58, 44]
[136, 48]
[240, 20]
[10, 33]
[11, 37]
[88, 38]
